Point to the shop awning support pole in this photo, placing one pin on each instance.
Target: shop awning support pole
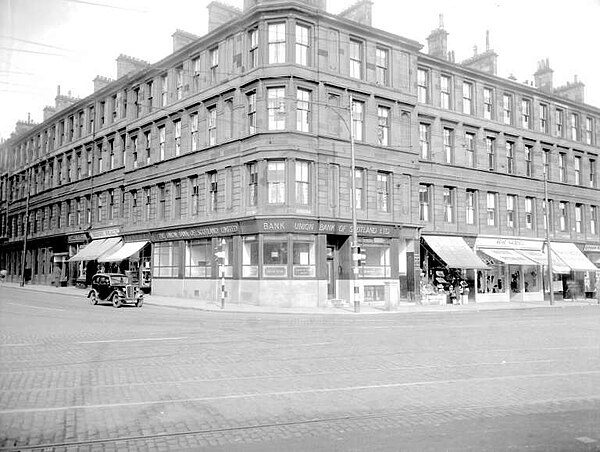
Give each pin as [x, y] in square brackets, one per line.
[548, 246]
[25, 227]
[354, 247]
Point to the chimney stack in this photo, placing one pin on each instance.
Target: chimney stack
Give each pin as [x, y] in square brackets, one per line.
[437, 41]
[360, 12]
[572, 91]
[220, 13]
[182, 38]
[484, 62]
[127, 64]
[543, 76]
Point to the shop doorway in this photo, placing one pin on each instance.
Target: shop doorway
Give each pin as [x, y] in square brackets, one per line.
[516, 283]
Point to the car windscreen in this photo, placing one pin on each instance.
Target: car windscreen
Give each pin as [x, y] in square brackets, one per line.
[118, 280]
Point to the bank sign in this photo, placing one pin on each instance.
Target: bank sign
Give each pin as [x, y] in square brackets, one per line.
[316, 227]
[197, 233]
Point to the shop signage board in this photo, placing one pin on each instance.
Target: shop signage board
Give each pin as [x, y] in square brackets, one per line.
[105, 233]
[316, 227]
[77, 238]
[197, 233]
[591, 248]
[510, 243]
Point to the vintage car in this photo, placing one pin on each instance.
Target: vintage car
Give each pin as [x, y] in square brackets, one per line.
[116, 288]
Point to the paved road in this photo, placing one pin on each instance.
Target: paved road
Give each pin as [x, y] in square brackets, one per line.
[80, 377]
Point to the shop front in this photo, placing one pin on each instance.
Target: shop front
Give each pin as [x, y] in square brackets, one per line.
[448, 268]
[279, 261]
[592, 281]
[132, 258]
[576, 283]
[84, 262]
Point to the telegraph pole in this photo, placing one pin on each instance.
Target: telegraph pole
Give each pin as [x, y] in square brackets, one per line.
[25, 227]
[548, 245]
[354, 246]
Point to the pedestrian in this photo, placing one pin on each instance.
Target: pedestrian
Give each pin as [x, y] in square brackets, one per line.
[3, 274]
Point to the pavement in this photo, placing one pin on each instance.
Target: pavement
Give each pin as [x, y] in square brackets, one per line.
[365, 309]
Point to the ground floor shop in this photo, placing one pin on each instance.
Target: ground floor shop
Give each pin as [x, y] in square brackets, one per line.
[285, 262]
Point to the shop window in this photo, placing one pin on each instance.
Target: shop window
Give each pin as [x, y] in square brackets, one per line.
[531, 279]
[303, 260]
[493, 280]
[199, 258]
[377, 262]
[275, 256]
[166, 259]
[250, 256]
[374, 293]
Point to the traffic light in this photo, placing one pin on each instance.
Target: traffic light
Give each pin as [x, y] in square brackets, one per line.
[359, 256]
[220, 254]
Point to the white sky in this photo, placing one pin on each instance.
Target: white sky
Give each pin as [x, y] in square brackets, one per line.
[45, 43]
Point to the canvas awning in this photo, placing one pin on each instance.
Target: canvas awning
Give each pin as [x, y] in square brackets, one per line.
[571, 256]
[125, 252]
[96, 248]
[454, 251]
[541, 258]
[507, 256]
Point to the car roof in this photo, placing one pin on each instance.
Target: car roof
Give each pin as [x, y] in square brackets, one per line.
[110, 274]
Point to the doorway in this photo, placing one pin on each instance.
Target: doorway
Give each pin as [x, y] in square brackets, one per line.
[334, 243]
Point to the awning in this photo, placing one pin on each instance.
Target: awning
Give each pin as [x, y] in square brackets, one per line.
[541, 258]
[126, 251]
[96, 248]
[570, 255]
[507, 256]
[454, 251]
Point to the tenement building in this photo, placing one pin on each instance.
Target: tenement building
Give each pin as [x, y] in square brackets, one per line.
[233, 156]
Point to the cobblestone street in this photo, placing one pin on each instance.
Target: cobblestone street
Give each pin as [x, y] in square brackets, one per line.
[80, 377]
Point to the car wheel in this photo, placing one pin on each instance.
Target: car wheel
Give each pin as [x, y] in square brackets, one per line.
[116, 301]
[94, 298]
[139, 302]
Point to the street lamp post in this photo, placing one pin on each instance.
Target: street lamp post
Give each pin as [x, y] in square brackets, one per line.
[25, 227]
[354, 245]
[548, 246]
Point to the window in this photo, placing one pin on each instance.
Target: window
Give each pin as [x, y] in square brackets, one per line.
[574, 126]
[276, 107]
[546, 163]
[177, 199]
[134, 146]
[276, 43]
[179, 82]
[544, 118]
[134, 206]
[359, 194]
[424, 202]
[275, 255]
[448, 137]
[149, 95]
[199, 258]
[195, 195]
[578, 217]
[164, 90]
[589, 130]
[161, 142]
[593, 220]
[491, 209]
[91, 114]
[560, 122]
[333, 115]
[147, 203]
[166, 259]
[562, 167]
[111, 154]
[137, 105]
[424, 140]
[194, 131]
[212, 125]
[79, 213]
[470, 149]
[529, 203]
[488, 103]
[526, 113]
[562, 215]
[125, 103]
[101, 113]
[162, 202]
[250, 256]
[253, 48]
[356, 57]
[358, 119]
[302, 183]
[383, 192]
[445, 84]
[99, 207]
[148, 141]
[251, 98]
[490, 147]
[214, 64]
[383, 126]
[303, 110]
[577, 167]
[511, 205]
[422, 85]
[196, 73]
[111, 205]
[302, 44]
[78, 174]
[507, 108]
[80, 122]
[510, 157]
[252, 171]
[381, 66]
[592, 179]
[303, 256]
[528, 160]
[449, 202]
[276, 182]
[228, 119]
[213, 190]
[467, 98]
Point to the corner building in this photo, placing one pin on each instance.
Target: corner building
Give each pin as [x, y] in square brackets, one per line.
[240, 142]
